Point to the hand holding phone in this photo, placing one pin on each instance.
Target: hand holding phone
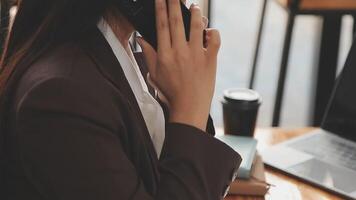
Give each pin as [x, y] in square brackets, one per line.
[184, 71]
[141, 13]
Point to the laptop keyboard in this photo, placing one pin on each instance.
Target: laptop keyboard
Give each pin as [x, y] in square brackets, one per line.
[329, 148]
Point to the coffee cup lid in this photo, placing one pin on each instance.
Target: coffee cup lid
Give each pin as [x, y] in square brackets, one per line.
[240, 95]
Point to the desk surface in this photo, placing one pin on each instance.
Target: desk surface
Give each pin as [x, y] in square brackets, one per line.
[285, 187]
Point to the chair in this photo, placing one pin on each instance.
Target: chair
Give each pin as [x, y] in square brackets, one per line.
[331, 11]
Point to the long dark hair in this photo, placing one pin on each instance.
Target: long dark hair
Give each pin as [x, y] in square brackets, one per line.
[41, 24]
[38, 26]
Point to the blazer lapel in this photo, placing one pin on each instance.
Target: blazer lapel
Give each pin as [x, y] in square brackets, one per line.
[100, 51]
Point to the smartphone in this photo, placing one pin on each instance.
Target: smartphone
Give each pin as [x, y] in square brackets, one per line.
[142, 14]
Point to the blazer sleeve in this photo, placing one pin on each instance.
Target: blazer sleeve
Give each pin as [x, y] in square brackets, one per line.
[69, 153]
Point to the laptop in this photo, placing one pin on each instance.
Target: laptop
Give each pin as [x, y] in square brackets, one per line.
[327, 156]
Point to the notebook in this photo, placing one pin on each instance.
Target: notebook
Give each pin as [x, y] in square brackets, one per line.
[246, 147]
[256, 185]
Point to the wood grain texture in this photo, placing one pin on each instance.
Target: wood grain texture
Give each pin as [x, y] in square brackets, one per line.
[322, 4]
[284, 186]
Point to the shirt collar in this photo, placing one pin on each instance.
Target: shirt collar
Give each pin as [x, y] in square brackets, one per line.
[126, 59]
[151, 110]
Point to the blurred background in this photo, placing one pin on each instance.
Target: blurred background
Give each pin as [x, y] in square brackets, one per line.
[238, 22]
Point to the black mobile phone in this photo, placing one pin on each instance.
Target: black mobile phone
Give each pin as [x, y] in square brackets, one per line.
[142, 14]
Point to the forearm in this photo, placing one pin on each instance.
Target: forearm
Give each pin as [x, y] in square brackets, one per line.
[194, 165]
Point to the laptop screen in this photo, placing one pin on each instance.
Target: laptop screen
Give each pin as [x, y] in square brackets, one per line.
[340, 117]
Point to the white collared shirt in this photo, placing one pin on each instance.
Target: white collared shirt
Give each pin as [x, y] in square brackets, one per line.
[151, 110]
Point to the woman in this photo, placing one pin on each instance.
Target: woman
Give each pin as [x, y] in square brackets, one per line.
[78, 121]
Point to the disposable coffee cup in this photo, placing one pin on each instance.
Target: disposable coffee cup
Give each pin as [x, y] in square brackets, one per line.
[240, 110]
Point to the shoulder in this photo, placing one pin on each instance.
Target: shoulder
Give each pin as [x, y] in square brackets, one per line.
[57, 62]
[65, 80]
[67, 64]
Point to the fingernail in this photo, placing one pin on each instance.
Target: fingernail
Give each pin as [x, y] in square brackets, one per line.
[193, 5]
[205, 19]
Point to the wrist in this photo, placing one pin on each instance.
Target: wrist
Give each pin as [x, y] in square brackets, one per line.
[190, 117]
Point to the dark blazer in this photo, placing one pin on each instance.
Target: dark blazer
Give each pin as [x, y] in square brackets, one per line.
[76, 132]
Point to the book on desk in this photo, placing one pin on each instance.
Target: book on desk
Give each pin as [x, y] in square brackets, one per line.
[251, 179]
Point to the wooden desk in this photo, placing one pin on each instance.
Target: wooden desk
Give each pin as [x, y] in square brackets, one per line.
[322, 4]
[285, 187]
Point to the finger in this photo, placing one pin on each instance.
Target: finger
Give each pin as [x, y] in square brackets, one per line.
[213, 43]
[150, 55]
[157, 90]
[205, 22]
[196, 27]
[151, 82]
[162, 23]
[176, 23]
[163, 98]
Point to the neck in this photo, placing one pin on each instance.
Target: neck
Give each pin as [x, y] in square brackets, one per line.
[120, 26]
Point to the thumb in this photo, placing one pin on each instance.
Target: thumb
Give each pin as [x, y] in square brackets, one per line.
[149, 53]
[159, 93]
